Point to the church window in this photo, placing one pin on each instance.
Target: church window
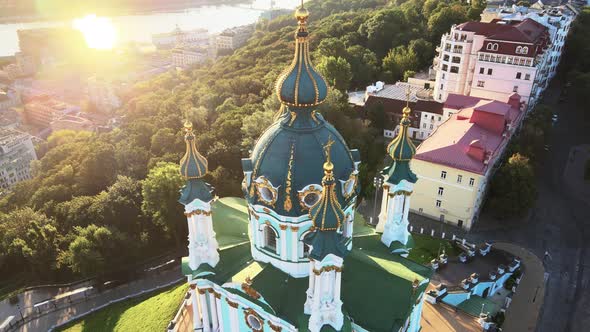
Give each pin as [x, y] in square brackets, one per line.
[311, 198]
[266, 192]
[254, 322]
[270, 238]
[349, 185]
[310, 195]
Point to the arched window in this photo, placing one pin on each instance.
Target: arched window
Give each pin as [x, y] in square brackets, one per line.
[494, 47]
[525, 50]
[518, 49]
[304, 247]
[270, 238]
[489, 46]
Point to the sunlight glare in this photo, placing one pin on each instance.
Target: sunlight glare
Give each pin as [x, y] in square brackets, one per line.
[99, 32]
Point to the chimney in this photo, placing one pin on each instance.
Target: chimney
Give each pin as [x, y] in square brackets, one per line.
[514, 101]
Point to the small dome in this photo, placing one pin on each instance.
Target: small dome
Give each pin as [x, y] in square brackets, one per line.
[300, 85]
[192, 165]
[402, 148]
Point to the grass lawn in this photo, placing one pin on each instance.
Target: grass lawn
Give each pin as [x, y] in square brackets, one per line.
[152, 313]
[426, 248]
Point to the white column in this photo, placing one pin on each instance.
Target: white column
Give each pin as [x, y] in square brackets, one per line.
[197, 324]
[233, 312]
[283, 242]
[384, 209]
[337, 285]
[219, 311]
[214, 318]
[406, 207]
[204, 311]
[294, 244]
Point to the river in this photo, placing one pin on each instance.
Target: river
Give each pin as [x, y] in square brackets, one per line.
[140, 27]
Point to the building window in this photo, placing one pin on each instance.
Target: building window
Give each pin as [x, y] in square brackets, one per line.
[525, 50]
[480, 84]
[442, 86]
[270, 238]
[518, 49]
[446, 57]
[490, 71]
[439, 118]
[471, 181]
[459, 178]
[445, 68]
[441, 190]
[482, 70]
[431, 127]
[443, 174]
[515, 88]
[527, 76]
[454, 69]
[438, 203]
[518, 75]
[456, 59]
[424, 126]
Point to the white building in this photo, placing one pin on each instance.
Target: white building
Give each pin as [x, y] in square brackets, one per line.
[557, 19]
[493, 60]
[184, 57]
[101, 94]
[233, 38]
[16, 153]
[197, 37]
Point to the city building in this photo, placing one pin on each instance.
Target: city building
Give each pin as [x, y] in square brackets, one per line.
[493, 60]
[101, 93]
[197, 37]
[230, 39]
[427, 115]
[72, 122]
[8, 99]
[185, 57]
[41, 111]
[16, 153]
[455, 164]
[557, 19]
[9, 119]
[302, 271]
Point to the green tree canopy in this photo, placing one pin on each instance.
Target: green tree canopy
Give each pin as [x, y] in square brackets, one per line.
[337, 72]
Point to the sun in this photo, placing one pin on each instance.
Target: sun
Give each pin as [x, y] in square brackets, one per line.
[99, 32]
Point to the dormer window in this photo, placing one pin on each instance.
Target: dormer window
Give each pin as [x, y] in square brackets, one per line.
[310, 195]
[525, 50]
[519, 50]
[492, 47]
[267, 193]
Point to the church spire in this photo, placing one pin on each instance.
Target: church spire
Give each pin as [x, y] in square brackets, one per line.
[300, 85]
[401, 147]
[192, 165]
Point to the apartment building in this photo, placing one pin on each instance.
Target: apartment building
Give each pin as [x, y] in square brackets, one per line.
[16, 153]
[493, 60]
[43, 110]
[454, 165]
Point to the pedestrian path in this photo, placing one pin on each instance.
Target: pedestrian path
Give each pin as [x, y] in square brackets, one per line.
[523, 313]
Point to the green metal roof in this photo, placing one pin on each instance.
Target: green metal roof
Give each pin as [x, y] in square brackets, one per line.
[196, 188]
[300, 85]
[398, 171]
[192, 165]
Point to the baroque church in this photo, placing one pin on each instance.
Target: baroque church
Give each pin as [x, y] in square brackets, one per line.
[305, 269]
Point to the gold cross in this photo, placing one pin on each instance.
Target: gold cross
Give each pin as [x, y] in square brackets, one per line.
[328, 147]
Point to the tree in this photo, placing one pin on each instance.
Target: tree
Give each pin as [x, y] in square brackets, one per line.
[424, 52]
[160, 192]
[397, 61]
[31, 237]
[363, 64]
[337, 72]
[441, 22]
[513, 190]
[93, 250]
[384, 30]
[98, 168]
[331, 47]
[253, 126]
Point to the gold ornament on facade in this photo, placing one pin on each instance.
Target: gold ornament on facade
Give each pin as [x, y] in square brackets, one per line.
[234, 305]
[288, 204]
[275, 328]
[247, 288]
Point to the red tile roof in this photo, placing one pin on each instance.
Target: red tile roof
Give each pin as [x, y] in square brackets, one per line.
[470, 136]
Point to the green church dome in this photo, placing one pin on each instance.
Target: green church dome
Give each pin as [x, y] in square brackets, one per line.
[300, 85]
[284, 171]
[401, 150]
[193, 166]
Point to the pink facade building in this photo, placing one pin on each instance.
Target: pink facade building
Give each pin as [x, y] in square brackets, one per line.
[493, 60]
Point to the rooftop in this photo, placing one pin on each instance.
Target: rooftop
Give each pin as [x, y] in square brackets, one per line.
[526, 31]
[473, 138]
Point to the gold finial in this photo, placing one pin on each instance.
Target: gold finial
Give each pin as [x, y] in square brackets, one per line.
[301, 14]
[406, 111]
[328, 166]
[188, 126]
